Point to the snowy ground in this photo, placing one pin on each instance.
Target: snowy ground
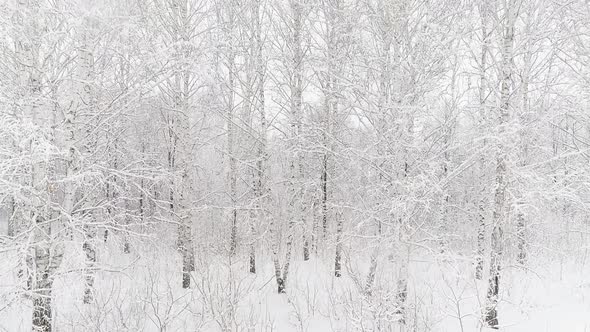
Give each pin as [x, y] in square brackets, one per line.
[141, 292]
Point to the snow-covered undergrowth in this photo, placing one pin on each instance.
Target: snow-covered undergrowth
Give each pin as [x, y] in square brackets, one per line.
[141, 291]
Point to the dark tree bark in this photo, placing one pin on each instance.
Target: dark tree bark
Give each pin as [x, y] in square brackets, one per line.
[306, 248]
[324, 185]
[481, 233]
[521, 256]
[42, 309]
[338, 256]
[90, 253]
[252, 262]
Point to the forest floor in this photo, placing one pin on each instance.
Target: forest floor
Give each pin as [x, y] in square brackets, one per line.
[141, 292]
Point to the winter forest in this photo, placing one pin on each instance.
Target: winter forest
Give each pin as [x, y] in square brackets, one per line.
[294, 165]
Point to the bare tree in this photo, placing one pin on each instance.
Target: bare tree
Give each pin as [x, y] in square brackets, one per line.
[510, 12]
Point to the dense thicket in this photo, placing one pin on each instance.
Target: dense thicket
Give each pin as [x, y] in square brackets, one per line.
[253, 135]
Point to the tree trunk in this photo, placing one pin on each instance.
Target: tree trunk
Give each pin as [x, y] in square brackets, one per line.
[109, 209]
[11, 213]
[252, 261]
[261, 158]
[338, 256]
[281, 275]
[402, 280]
[46, 259]
[403, 246]
[287, 264]
[86, 107]
[481, 233]
[315, 226]
[372, 272]
[306, 242]
[126, 228]
[188, 260]
[182, 153]
[483, 91]
[324, 186]
[374, 259]
[90, 254]
[295, 209]
[232, 176]
[42, 308]
[491, 313]
[521, 256]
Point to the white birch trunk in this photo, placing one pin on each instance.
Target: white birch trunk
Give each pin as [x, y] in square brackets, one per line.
[521, 218]
[499, 215]
[261, 158]
[84, 105]
[482, 203]
[295, 85]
